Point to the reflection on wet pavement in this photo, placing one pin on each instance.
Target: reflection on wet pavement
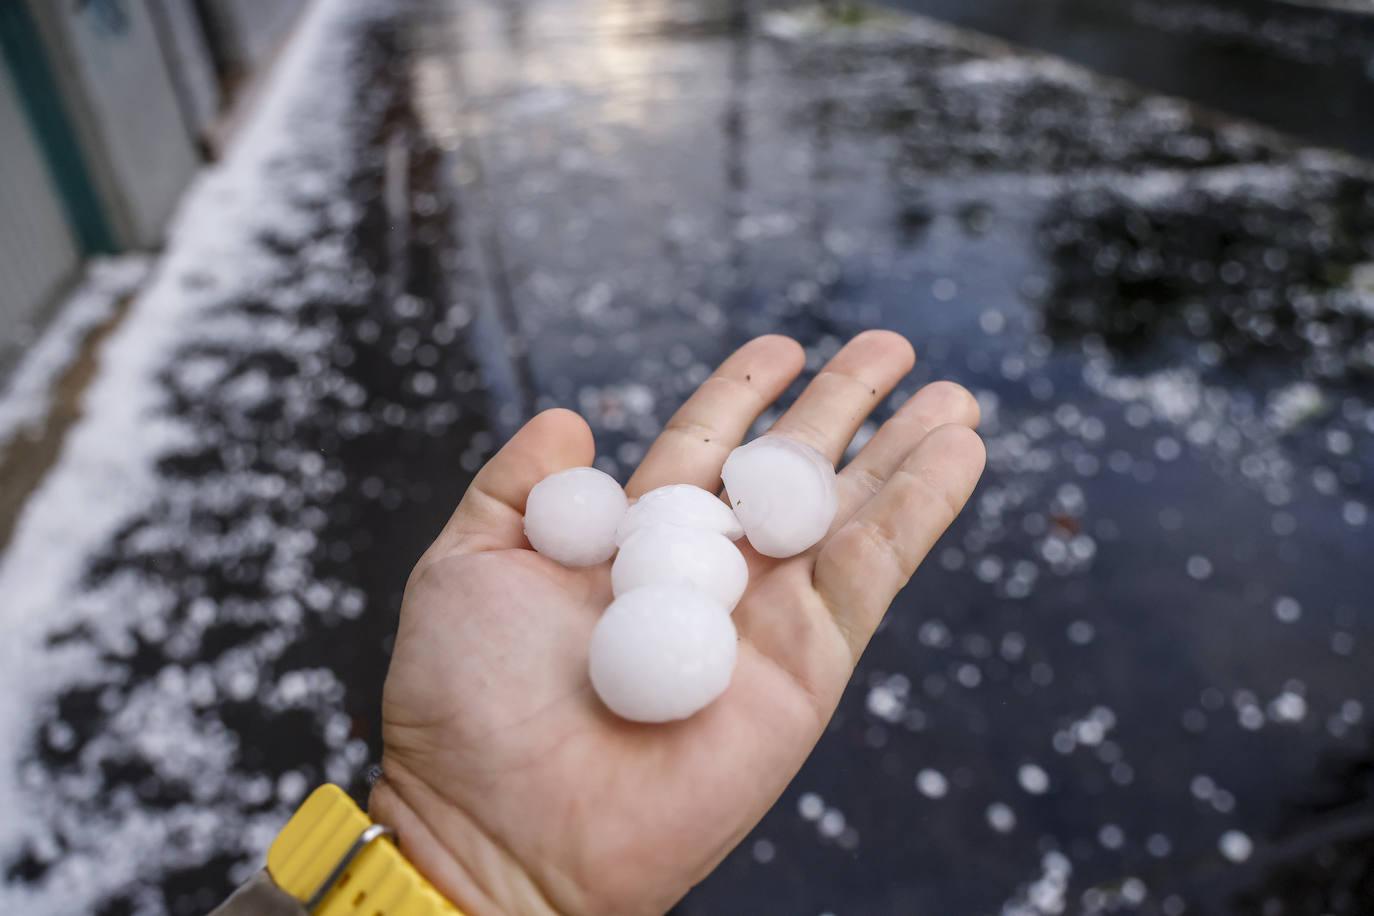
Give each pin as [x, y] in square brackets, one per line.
[1131, 678]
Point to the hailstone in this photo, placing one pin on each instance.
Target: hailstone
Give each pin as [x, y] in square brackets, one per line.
[667, 554]
[572, 516]
[680, 504]
[661, 653]
[783, 492]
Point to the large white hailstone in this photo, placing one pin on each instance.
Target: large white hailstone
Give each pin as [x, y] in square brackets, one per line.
[571, 516]
[661, 653]
[667, 554]
[783, 492]
[680, 504]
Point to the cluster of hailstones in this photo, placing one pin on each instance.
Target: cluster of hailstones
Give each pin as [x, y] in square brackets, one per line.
[665, 647]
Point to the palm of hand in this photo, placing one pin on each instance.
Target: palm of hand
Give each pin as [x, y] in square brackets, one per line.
[513, 788]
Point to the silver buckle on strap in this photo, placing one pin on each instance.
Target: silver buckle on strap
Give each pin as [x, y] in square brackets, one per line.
[364, 840]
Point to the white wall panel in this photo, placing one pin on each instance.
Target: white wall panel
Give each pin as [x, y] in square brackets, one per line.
[37, 250]
[139, 139]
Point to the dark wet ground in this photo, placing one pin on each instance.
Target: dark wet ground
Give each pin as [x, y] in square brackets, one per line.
[1134, 677]
[1304, 67]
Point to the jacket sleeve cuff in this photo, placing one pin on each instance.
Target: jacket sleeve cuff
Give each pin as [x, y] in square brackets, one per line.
[260, 897]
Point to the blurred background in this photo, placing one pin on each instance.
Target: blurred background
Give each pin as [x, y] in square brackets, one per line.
[276, 278]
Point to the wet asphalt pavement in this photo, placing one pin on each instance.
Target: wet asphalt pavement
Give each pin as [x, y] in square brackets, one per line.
[1304, 67]
[1133, 677]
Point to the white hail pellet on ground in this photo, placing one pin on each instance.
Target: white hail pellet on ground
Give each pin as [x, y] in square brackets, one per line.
[668, 554]
[572, 516]
[682, 505]
[783, 492]
[662, 652]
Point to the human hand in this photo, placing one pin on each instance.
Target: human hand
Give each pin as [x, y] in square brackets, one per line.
[511, 787]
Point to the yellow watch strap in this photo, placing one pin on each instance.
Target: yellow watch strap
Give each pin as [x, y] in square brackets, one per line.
[377, 881]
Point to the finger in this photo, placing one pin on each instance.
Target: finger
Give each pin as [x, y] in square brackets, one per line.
[696, 441]
[835, 403]
[937, 404]
[868, 560]
[491, 513]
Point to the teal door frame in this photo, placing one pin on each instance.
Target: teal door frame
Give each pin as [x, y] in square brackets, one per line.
[21, 49]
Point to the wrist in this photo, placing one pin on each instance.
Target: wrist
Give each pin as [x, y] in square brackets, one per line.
[329, 859]
[475, 873]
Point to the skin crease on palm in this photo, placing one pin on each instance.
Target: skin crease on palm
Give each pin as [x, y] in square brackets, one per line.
[511, 787]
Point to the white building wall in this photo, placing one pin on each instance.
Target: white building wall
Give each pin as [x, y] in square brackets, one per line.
[37, 250]
[255, 26]
[188, 59]
[135, 137]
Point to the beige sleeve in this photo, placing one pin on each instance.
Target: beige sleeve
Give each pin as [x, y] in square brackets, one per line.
[260, 897]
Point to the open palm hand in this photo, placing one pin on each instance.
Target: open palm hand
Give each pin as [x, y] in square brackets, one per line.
[512, 788]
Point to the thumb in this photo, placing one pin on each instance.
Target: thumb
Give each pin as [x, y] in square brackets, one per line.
[491, 513]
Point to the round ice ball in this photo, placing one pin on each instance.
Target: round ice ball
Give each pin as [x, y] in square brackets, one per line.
[667, 554]
[661, 653]
[680, 504]
[572, 516]
[783, 492]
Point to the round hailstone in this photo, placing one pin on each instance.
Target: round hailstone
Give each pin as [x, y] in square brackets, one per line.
[571, 516]
[683, 505]
[783, 492]
[661, 653]
[666, 554]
